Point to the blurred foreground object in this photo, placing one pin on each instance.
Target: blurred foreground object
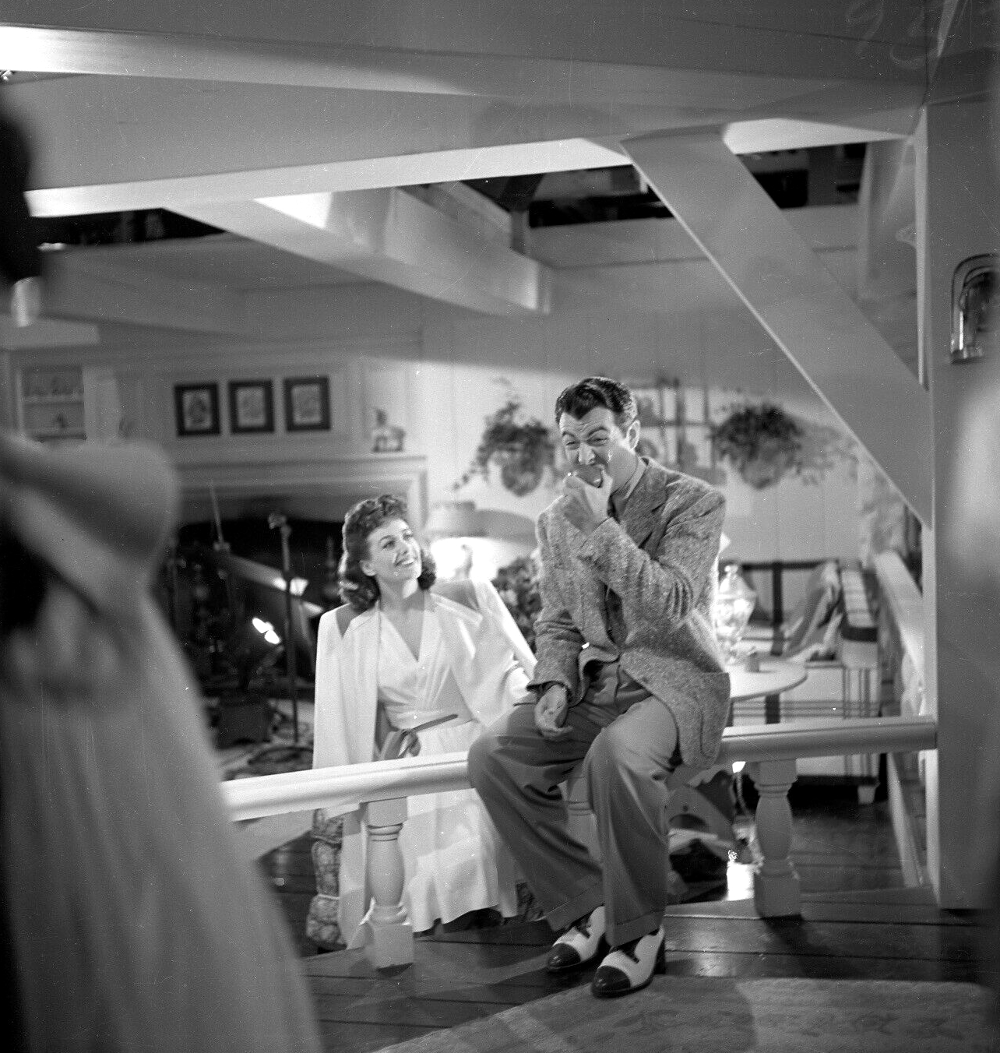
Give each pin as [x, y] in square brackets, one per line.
[974, 530]
[20, 258]
[132, 922]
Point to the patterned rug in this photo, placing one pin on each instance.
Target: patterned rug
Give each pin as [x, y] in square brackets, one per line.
[709, 1015]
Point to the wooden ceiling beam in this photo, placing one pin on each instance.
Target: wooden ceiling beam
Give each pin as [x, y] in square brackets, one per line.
[389, 236]
[798, 302]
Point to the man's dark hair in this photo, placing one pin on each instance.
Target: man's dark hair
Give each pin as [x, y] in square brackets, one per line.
[580, 398]
[356, 587]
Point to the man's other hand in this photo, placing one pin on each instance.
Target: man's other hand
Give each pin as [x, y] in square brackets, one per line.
[550, 712]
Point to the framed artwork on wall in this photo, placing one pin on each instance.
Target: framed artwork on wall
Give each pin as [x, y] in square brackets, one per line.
[251, 406]
[307, 404]
[196, 409]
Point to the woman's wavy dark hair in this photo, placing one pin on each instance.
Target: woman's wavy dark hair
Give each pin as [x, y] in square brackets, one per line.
[356, 587]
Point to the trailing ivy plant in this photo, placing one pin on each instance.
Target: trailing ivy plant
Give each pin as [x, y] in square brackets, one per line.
[521, 446]
[764, 443]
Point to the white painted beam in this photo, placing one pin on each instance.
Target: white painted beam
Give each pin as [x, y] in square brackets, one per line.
[181, 192]
[887, 259]
[110, 143]
[389, 236]
[90, 285]
[345, 66]
[808, 314]
[316, 39]
[46, 333]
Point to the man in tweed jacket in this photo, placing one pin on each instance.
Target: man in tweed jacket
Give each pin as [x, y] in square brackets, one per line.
[629, 682]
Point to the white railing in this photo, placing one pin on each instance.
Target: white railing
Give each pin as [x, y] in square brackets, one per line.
[904, 606]
[381, 789]
[901, 651]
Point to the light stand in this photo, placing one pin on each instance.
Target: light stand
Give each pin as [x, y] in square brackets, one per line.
[279, 754]
[279, 520]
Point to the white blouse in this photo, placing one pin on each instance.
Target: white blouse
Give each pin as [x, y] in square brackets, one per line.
[412, 690]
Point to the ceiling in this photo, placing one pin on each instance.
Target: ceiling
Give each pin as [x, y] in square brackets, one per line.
[422, 146]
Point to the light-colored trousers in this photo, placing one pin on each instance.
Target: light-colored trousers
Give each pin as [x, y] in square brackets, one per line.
[627, 742]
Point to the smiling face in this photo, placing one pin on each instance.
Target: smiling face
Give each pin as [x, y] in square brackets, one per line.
[595, 438]
[393, 554]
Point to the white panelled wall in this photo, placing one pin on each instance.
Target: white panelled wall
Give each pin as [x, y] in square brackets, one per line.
[440, 369]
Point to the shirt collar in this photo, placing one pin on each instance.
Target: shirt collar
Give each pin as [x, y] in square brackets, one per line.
[620, 496]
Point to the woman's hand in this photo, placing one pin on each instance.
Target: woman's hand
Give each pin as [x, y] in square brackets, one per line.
[409, 744]
[550, 712]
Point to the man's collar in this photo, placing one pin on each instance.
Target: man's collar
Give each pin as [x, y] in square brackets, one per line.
[623, 493]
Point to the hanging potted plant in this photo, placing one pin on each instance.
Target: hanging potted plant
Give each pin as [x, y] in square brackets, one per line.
[761, 442]
[764, 443]
[522, 447]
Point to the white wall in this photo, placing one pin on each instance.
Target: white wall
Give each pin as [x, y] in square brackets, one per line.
[443, 364]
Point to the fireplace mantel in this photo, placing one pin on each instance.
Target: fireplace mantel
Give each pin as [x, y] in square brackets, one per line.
[313, 487]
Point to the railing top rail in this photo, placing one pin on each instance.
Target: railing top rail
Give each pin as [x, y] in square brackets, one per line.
[907, 605]
[344, 788]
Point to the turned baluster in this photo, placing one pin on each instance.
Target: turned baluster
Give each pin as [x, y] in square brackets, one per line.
[776, 884]
[391, 940]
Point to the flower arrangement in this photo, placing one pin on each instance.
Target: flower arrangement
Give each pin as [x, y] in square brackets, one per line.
[764, 443]
[522, 446]
[517, 584]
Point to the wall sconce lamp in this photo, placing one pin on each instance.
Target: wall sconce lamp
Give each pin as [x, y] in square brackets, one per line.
[975, 311]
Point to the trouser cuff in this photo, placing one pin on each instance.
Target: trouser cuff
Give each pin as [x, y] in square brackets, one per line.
[564, 916]
[623, 932]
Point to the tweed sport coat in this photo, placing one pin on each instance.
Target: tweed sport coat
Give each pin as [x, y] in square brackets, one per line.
[659, 565]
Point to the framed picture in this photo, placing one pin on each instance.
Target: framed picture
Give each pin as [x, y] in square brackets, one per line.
[197, 409]
[251, 406]
[307, 404]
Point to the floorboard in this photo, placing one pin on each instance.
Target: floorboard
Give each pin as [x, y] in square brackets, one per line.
[859, 921]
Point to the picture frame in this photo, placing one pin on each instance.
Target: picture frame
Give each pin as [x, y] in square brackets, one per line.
[251, 407]
[307, 403]
[196, 409]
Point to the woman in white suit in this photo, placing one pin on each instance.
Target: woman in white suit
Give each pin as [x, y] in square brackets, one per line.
[404, 652]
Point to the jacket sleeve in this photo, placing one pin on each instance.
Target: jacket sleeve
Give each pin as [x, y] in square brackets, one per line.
[493, 607]
[329, 718]
[557, 640]
[664, 589]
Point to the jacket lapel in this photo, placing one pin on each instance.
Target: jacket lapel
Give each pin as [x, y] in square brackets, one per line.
[358, 681]
[648, 497]
[460, 632]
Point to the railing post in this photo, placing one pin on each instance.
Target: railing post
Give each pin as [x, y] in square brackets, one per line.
[776, 884]
[391, 940]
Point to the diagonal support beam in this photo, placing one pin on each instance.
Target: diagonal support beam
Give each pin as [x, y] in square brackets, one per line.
[803, 308]
[389, 236]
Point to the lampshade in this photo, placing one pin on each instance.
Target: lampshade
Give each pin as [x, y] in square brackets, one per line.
[453, 519]
[507, 526]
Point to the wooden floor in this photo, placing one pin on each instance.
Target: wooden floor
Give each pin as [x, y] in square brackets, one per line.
[858, 921]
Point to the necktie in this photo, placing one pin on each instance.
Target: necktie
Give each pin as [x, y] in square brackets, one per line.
[616, 508]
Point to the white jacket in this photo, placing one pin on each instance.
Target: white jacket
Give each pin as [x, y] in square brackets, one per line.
[490, 661]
